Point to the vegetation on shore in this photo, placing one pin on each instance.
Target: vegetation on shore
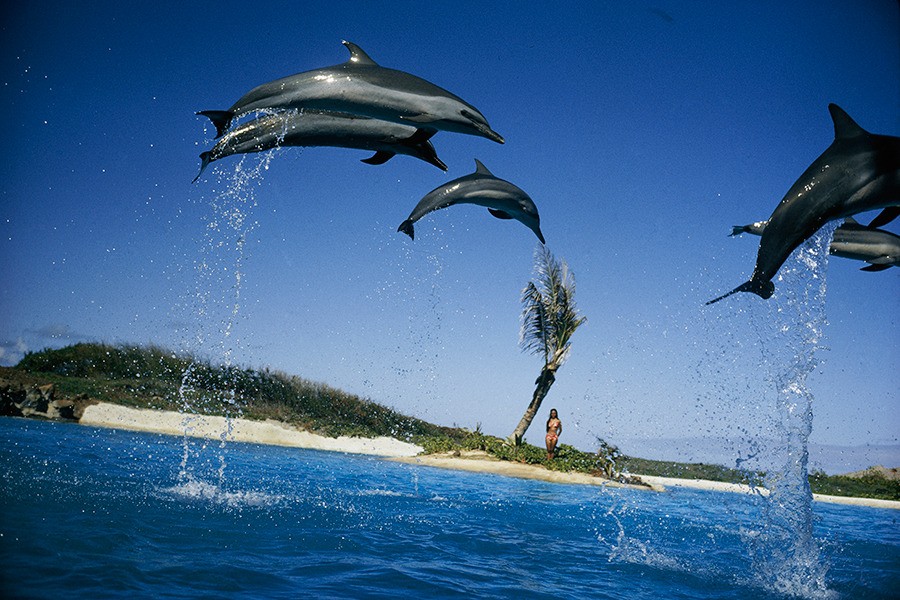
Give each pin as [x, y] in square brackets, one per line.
[150, 377]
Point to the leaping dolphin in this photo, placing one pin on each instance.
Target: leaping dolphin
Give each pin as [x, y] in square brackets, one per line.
[318, 128]
[502, 199]
[879, 248]
[360, 86]
[860, 171]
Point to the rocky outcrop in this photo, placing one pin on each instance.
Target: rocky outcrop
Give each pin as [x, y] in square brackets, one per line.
[40, 401]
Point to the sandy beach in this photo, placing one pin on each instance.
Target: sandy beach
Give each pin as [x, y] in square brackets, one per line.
[241, 430]
[281, 434]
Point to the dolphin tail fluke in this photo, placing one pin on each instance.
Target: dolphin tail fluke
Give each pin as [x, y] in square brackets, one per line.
[204, 156]
[220, 118]
[763, 289]
[407, 228]
[379, 158]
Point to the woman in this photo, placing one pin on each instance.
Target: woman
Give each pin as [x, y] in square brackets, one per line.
[554, 428]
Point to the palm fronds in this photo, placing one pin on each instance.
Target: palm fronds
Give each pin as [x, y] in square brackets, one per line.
[549, 314]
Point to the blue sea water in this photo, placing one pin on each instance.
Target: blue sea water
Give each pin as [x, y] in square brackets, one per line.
[96, 513]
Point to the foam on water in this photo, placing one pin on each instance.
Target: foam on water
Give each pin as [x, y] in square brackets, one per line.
[200, 491]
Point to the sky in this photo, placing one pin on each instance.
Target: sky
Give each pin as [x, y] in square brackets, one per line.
[642, 131]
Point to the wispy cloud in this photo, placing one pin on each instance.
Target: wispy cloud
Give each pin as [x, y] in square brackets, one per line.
[12, 352]
[51, 335]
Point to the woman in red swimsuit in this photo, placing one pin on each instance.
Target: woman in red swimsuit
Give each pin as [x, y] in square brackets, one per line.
[554, 428]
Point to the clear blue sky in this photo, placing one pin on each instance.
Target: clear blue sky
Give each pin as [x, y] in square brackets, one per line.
[643, 132]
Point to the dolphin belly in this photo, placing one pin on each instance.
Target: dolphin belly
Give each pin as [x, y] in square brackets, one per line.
[315, 128]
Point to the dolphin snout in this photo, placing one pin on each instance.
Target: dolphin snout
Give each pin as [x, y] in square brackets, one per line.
[491, 134]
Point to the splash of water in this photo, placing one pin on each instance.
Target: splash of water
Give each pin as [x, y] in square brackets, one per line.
[217, 308]
[755, 362]
[785, 553]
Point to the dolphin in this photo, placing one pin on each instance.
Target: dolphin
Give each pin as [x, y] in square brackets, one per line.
[859, 171]
[879, 248]
[360, 86]
[320, 128]
[502, 199]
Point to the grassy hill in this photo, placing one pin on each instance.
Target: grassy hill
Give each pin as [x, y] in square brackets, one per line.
[160, 379]
[150, 377]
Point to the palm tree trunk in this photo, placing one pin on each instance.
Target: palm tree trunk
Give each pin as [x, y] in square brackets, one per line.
[542, 387]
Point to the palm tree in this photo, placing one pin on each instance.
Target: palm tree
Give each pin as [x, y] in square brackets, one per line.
[549, 318]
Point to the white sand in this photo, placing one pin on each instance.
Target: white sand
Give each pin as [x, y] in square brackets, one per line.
[281, 434]
[242, 430]
[481, 462]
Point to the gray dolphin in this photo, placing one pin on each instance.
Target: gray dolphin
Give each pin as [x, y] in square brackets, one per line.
[859, 171]
[502, 199]
[879, 248]
[319, 128]
[360, 86]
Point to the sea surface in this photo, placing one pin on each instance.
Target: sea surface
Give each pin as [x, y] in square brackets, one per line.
[101, 513]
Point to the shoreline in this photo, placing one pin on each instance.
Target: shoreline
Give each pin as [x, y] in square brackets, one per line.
[269, 432]
[276, 433]
[478, 461]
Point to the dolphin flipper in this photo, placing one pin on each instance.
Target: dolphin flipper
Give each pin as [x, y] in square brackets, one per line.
[220, 118]
[886, 216]
[379, 158]
[875, 268]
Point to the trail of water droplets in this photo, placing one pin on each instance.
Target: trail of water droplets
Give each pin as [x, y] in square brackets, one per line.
[216, 308]
[785, 553]
[756, 358]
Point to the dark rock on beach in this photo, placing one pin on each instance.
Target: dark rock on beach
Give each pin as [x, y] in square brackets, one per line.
[39, 401]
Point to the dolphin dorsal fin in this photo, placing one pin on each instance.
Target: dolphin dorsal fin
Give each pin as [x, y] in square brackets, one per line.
[358, 56]
[480, 169]
[844, 126]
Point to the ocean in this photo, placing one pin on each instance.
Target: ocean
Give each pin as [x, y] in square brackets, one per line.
[101, 513]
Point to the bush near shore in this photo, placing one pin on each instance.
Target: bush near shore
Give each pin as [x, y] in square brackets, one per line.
[155, 378]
